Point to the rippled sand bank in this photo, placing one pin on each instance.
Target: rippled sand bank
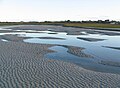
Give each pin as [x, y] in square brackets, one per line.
[22, 66]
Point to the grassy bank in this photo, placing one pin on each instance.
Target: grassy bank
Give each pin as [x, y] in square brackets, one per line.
[105, 26]
[92, 25]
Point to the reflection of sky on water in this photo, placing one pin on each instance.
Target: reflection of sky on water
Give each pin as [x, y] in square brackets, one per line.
[94, 48]
[88, 63]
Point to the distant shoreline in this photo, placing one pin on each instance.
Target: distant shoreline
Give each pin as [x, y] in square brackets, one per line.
[25, 65]
[96, 26]
[106, 29]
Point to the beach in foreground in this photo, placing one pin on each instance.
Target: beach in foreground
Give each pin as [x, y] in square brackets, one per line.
[23, 65]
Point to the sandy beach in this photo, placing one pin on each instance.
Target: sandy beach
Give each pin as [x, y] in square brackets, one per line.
[22, 65]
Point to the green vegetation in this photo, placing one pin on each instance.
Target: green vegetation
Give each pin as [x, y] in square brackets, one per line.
[92, 25]
[84, 24]
[18, 23]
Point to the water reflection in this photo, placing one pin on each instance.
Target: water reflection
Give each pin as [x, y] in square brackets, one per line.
[95, 48]
[88, 63]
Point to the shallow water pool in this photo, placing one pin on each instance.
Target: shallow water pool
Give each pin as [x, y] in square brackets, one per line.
[96, 48]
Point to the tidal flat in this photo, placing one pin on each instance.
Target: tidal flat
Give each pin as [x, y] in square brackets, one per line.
[37, 56]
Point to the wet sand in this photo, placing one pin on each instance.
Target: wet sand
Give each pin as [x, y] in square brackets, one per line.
[22, 65]
[117, 48]
[14, 38]
[51, 38]
[110, 63]
[91, 39]
[77, 51]
[68, 30]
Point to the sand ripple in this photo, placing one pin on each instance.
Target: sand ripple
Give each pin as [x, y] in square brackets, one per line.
[22, 66]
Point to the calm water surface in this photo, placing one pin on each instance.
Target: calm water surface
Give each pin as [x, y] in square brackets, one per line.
[95, 49]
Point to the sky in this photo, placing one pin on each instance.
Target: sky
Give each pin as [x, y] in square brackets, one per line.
[59, 10]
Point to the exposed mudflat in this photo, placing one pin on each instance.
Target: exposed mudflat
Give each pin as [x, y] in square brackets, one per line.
[117, 48]
[110, 63]
[23, 65]
[14, 38]
[91, 39]
[68, 30]
[51, 38]
[78, 51]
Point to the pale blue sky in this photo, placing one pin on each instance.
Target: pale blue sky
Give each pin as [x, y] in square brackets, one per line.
[56, 10]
